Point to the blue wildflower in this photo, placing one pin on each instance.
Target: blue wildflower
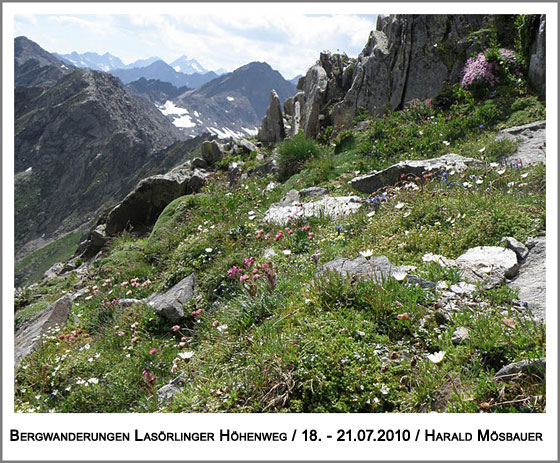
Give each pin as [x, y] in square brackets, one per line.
[481, 126]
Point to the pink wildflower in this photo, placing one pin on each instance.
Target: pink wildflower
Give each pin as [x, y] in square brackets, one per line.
[153, 351]
[248, 261]
[175, 328]
[233, 271]
[243, 278]
[215, 323]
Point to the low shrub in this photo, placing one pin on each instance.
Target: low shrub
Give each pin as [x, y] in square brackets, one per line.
[293, 153]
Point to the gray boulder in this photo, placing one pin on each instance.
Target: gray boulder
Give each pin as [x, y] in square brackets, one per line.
[312, 191]
[376, 268]
[95, 241]
[167, 392]
[29, 335]
[198, 163]
[247, 146]
[519, 248]
[531, 280]
[537, 63]
[211, 152]
[269, 166]
[372, 182]
[460, 335]
[142, 206]
[491, 264]
[334, 207]
[53, 271]
[536, 367]
[170, 305]
[272, 129]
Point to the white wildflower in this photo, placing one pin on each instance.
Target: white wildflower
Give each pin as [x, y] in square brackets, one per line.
[436, 357]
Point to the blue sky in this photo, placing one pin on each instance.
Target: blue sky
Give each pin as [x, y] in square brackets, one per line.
[289, 42]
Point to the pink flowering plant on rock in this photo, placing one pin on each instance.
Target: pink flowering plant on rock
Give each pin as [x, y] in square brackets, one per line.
[479, 75]
[489, 69]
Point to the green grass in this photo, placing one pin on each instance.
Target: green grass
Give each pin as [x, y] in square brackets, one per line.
[310, 342]
[294, 152]
[32, 267]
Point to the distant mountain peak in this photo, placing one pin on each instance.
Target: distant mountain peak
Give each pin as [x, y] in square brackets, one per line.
[91, 60]
[188, 65]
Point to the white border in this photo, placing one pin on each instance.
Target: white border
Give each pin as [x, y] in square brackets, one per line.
[545, 423]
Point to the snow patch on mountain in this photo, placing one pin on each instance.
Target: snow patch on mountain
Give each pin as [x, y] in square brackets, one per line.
[184, 122]
[169, 109]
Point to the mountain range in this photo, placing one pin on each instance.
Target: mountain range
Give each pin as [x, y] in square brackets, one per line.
[231, 105]
[82, 141]
[83, 138]
[108, 62]
[160, 70]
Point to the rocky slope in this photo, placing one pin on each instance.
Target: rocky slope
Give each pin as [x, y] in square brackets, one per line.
[35, 66]
[81, 143]
[231, 105]
[155, 91]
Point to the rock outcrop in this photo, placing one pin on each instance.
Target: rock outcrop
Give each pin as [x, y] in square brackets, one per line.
[376, 268]
[272, 129]
[537, 63]
[170, 390]
[407, 57]
[536, 367]
[290, 206]
[211, 152]
[30, 334]
[532, 142]
[372, 182]
[142, 206]
[491, 264]
[531, 280]
[170, 304]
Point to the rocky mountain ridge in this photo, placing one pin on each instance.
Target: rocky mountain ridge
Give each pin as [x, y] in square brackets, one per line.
[35, 67]
[78, 144]
[231, 105]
